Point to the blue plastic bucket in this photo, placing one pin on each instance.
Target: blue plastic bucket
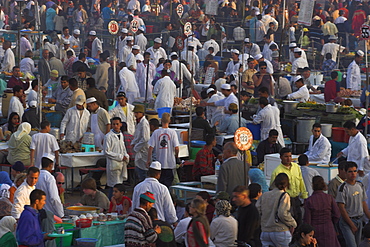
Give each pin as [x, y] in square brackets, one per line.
[255, 129]
[198, 143]
[163, 110]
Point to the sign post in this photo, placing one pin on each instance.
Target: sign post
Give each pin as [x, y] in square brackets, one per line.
[134, 26]
[187, 32]
[113, 28]
[243, 139]
[365, 35]
[180, 10]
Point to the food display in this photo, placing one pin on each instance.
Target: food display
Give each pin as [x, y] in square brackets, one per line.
[69, 147]
[349, 93]
[184, 104]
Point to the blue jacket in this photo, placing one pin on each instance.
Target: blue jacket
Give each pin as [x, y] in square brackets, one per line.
[29, 231]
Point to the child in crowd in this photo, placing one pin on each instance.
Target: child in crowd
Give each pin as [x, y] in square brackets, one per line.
[119, 202]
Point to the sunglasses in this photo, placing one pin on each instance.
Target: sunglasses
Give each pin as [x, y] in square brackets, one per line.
[60, 182]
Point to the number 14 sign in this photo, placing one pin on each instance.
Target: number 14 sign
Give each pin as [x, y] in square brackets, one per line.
[365, 31]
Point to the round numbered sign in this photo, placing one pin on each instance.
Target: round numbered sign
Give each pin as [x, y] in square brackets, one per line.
[180, 10]
[179, 43]
[365, 31]
[187, 28]
[134, 25]
[113, 27]
[243, 138]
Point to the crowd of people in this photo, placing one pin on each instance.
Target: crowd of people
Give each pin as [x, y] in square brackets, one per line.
[244, 51]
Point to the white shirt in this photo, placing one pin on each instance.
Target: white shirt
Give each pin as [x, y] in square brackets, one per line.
[269, 119]
[356, 150]
[354, 76]
[128, 84]
[95, 47]
[340, 19]
[164, 141]
[300, 62]
[130, 119]
[253, 50]
[301, 95]
[225, 102]
[215, 113]
[307, 174]
[165, 90]
[141, 74]
[163, 202]
[32, 95]
[212, 43]
[292, 57]
[74, 124]
[131, 61]
[224, 231]
[178, 67]
[193, 40]
[8, 61]
[156, 54]
[333, 49]
[140, 143]
[21, 198]
[48, 184]
[121, 42]
[43, 143]
[16, 105]
[181, 230]
[125, 52]
[192, 59]
[266, 52]
[133, 5]
[141, 41]
[320, 151]
[233, 69]
[27, 65]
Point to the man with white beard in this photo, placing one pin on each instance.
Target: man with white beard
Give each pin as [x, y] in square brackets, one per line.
[141, 75]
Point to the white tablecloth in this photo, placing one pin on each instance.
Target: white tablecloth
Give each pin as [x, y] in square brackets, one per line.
[221, 139]
[182, 125]
[209, 179]
[319, 98]
[81, 159]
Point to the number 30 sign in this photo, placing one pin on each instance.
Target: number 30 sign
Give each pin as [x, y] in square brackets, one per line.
[365, 31]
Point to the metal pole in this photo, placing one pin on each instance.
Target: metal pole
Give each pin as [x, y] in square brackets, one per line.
[39, 83]
[191, 100]
[366, 92]
[114, 69]
[146, 84]
[282, 31]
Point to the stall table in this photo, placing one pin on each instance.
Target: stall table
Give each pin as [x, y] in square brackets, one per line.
[221, 139]
[212, 179]
[319, 98]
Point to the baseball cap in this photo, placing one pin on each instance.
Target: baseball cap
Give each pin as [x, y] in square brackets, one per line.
[246, 40]
[121, 94]
[32, 103]
[297, 78]
[80, 100]
[235, 51]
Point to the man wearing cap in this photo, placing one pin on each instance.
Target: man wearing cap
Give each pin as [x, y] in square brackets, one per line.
[163, 203]
[231, 123]
[96, 46]
[63, 52]
[259, 58]
[74, 122]
[269, 118]
[302, 94]
[140, 142]
[194, 40]
[165, 90]
[292, 46]
[232, 70]
[214, 113]
[299, 61]
[115, 154]
[62, 95]
[251, 48]
[354, 72]
[181, 71]
[141, 76]
[43, 143]
[101, 74]
[212, 43]
[124, 111]
[225, 102]
[75, 41]
[99, 121]
[156, 51]
[141, 40]
[8, 60]
[128, 83]
[332, 47]
[192, 58]
[139, 230]
[127, 49]
[47, 183]
[121, 41]
[131, 58]
[80, 18]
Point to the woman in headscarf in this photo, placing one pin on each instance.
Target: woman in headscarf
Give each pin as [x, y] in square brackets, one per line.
[7, 227]
[224, 228]
[19, 145]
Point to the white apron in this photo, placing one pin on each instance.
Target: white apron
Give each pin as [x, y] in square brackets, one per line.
[98, 134]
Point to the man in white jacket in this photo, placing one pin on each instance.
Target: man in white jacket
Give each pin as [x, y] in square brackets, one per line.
[124, 111]
[269, 119]
[140, 144]
[181, 71]
[15, 104]
[302, 94]
[128, 83]
[156, 51]
[115, 154]
[74, 123]
[142, 72]
[356, 150]
[319, 148]
[354, 72]
[165, 90]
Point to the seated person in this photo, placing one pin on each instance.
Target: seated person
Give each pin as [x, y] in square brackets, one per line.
[319, 148]
[11, 126]
[205, 160]
[268, 146]
[59, 178]
[200, 122]
[29, 232]
[332, 87]
[92, 196]
[231, 124]
[19, 146]
[119, 202]
[5, 184]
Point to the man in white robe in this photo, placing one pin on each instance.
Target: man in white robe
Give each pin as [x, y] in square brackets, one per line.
[165, 90]
[128, 84]
[124, 111]
[141, 76]
[156, 51]
[354, 72]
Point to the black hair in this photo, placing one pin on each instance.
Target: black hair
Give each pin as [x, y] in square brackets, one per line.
[33, 169]
[12, 127]
[45, 124]
[64, 78]
[34, 83]
[263, 90]
[199, 111]
[69, 53]
[350, 164]
[17, 89]
[281, 181]
[284, 151]
[254, 189]
[36, 194]
[334, 74]
[45, 162]
[91, 82]
[154, 122]
[73, 82]
[81, 56]
[209, 139]
[349, 125]
[316, 125]
[263, 101]
[273, 132]
[120, 187]
[302, 160]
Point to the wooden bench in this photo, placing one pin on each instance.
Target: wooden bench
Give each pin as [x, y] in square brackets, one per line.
[181, 188]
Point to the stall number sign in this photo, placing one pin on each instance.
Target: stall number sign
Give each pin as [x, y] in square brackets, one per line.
[243, 138]
[180, 10]
[187, 28]
[179, 42]
[134, 25]
[113, 27]
[365, 31]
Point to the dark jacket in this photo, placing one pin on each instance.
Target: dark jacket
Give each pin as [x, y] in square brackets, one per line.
[265, 148]
[99, 96]
[201, 123]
